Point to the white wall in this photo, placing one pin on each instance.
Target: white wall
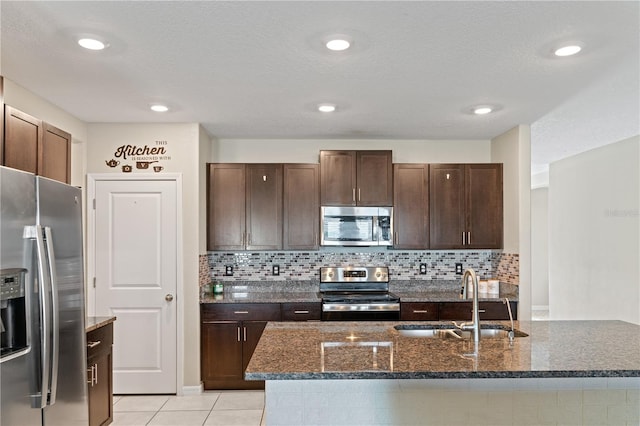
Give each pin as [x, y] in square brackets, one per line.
[513, 149]
[184, 143]
[26, 101]
[539, 248]
[308, 150]
[594, 234]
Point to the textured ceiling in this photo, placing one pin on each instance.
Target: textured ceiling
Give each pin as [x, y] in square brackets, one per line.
[258, 69]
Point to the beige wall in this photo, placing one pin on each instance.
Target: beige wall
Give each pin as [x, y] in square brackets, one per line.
[539, 248]
[594, 234]
[308, 150]
[26, 101]
[184, 145]
[513, 149]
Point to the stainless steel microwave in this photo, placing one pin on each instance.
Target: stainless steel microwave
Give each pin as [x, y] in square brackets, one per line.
[357, 226]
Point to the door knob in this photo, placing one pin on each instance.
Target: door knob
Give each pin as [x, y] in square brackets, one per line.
[168, 297]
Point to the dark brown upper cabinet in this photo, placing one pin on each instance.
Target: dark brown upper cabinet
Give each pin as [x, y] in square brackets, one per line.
[226, 226]
[356, 178]
[465, 206]
[301, 224]
[411, 206]
[36, 147]
[263, 206]
[244, 203]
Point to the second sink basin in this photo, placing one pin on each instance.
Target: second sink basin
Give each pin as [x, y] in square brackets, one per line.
[488, 331]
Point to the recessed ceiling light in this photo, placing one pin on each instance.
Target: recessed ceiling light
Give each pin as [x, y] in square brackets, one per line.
[326, 107]
[338, 44]
[92, 44]
[482, 110]
[567, 50]
[159, 108]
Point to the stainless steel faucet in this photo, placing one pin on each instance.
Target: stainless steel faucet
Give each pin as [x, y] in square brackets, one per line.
[474, 325]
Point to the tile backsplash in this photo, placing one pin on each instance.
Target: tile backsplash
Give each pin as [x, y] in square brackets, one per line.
[404, 265]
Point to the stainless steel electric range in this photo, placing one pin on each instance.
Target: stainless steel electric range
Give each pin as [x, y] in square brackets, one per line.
[357, 294]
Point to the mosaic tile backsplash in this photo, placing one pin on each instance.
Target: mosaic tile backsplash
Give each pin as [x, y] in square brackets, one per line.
[404, 265]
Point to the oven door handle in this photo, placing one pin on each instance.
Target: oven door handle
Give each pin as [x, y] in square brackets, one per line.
[351, 307]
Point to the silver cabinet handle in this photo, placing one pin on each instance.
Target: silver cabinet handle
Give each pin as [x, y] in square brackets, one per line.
[244, 332]
[300, 312]
[238, 334]
[358, 194]
[463, 240]
[169, 297]
[92, 345]
[468, 237]
[420, 311]
[240, 312]
[354, 195]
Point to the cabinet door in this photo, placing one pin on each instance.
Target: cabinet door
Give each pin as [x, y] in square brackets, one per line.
[484, 206]
[338, 178]
[264, 207]
[411, 206]
[54, 157]
[446, 206]
[221, 351]
[301, 207]
[226, 207]
[23, 138]
[101, 390]
[374, 178]
[251, 333]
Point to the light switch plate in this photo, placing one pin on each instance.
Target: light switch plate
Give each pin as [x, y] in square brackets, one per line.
[423, 269]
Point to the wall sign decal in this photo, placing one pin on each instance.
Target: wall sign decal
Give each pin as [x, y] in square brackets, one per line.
[143, 156]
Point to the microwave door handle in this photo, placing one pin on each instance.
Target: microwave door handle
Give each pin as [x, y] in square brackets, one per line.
[55, 323]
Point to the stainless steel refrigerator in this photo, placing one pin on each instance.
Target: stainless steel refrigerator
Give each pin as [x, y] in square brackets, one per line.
[42, 328]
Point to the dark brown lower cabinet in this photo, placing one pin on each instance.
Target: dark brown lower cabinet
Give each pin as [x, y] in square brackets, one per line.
[229, 335]
[419, 311]
[487, 310]
[100, 375]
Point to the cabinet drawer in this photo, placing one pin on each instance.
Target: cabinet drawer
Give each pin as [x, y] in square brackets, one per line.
[488, 310]
[240, 311]
[99, 340]
[307, 311]
[419, 311]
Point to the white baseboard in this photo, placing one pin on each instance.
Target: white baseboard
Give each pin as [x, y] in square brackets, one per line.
[193, 390]
[539, 307]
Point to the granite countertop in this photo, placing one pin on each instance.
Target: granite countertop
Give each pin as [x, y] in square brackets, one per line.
[409, 291]
[375, 350]
[93, 323]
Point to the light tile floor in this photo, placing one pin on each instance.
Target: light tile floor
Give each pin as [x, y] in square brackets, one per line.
[218, 408]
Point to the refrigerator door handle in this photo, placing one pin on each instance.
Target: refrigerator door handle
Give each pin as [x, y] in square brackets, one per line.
[55, 322]
[43, 284]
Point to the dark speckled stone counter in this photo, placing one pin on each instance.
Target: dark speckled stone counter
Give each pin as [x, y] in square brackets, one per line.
[93, 323]
[375, 350]
[295, 291]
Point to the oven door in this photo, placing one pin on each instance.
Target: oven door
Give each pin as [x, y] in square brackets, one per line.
[365, 311]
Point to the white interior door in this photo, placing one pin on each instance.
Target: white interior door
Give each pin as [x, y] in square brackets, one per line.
[136, 276]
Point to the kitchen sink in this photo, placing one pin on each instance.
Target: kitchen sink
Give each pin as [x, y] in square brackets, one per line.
[488, 331]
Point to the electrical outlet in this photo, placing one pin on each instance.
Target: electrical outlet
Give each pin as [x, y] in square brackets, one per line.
[458, 268]
[228, 270]
[275, 270]
[423, 269]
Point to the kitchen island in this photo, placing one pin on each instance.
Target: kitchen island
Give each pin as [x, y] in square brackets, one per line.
[569, 372]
